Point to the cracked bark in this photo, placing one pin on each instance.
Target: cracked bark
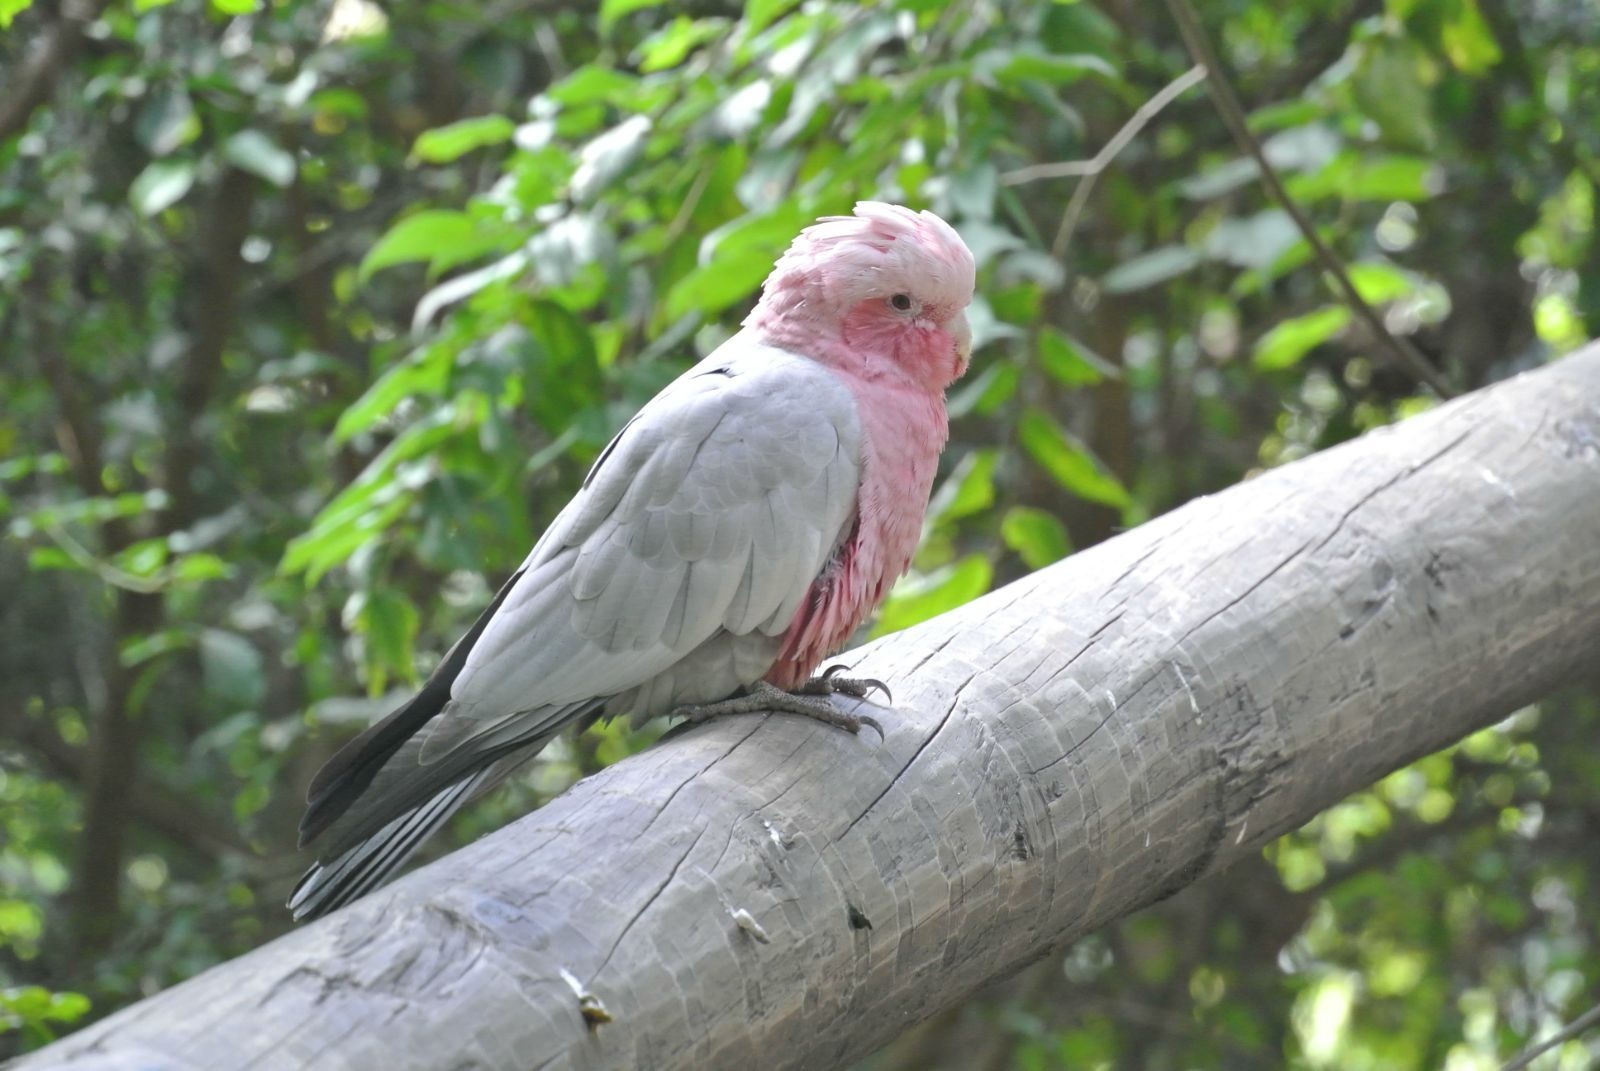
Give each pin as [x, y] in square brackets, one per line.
[1062, 754]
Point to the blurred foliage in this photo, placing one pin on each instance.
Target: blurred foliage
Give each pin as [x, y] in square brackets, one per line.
[314, 313]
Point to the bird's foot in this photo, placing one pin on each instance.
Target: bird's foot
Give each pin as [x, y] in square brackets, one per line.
[809, 700]
[830, 683]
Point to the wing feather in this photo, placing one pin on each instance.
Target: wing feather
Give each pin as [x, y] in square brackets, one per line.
[711, 513]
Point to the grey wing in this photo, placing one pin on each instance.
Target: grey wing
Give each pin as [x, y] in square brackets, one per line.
[711, 513]
[714, 510]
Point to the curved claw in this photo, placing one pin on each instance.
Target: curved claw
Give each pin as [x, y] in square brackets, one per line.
[873, 684]
[834, 670]
[864, 720]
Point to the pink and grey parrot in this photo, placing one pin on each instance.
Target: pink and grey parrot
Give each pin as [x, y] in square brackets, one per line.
[733, 535]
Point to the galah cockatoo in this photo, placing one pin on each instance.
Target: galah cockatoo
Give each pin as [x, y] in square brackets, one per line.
[733, 534]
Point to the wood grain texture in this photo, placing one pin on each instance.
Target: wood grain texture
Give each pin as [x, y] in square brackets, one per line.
[768, 892]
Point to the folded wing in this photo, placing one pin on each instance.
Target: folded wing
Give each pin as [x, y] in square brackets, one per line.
[710, 515]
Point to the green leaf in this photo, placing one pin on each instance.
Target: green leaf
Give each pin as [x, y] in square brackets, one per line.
[1149, 269]
[607, 156]
[759, 14]
[43, 558]
[363, 511]
[236, 7]
[454, 140]
[143, 558]
[1378, 282]
[1287, 113]
[1068, 362]
[593, 84]
[1389, 87]
[161, 185]
[969, 489]
[1287, 343]
[1357, 177]
[671, 45]
[916, 599]
[1011, 66]
[419, 236]
[988, 390]
[389, 621]
[199, 567]
[612, 10]
[737, 258]
[255, 152]
[167, 121]
[10, 9]
[1069, 461]
[424, 373]
[1468, 40]
[1039, 538]
[1252, 242]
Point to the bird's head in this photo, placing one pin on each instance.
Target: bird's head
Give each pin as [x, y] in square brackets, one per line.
[886, 290]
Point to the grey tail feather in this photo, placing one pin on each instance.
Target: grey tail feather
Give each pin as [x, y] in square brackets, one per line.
[363, 867]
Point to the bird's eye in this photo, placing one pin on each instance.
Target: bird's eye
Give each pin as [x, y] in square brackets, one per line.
[901, 302]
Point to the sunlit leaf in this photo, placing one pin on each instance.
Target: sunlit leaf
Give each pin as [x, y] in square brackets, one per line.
[445, 143]
[161, 185]
[759, 14]
[969, 489]
[1069, 461]
[389, 622]
[1068, 362]
[1468, 39]
[1039, 538]
[1378, 282]
[671, 45]
[422, 374]
[1287, 343]
[167, 121]
[1356, 177]
[607, 156]
[1008, 66]
[916, 599]
[255, 152]
[1390, 88]
[612, 10]
[593, 84]
[419, 237]
[10, 9]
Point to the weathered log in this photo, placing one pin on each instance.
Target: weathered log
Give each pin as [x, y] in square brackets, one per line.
[768, 892]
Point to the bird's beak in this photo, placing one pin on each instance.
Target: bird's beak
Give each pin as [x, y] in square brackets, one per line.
[961, 331]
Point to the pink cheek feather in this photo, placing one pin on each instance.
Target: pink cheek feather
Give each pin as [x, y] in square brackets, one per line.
[926, 353]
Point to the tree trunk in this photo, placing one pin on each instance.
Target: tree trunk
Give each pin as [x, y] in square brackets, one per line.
[768, 892]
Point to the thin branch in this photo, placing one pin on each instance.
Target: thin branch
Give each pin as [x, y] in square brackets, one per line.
[1119, 141]
[1566, 1033]
[1089, 170]
[1401, 352]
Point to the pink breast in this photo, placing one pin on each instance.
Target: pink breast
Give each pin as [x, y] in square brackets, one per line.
[903, 430]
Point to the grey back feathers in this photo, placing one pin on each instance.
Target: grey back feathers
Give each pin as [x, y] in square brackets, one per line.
[668, 579]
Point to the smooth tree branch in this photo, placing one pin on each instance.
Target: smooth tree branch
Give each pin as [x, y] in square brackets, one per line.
[1089, 170]
[1588, 1019]
[1399, 351]
[766, 891]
